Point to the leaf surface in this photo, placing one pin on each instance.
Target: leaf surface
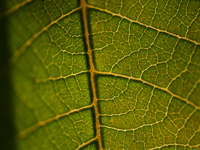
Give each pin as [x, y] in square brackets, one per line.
[100, 74]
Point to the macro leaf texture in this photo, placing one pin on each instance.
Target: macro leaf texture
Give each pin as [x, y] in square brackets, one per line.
[100, 74]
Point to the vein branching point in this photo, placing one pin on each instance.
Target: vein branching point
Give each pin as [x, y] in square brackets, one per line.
[92, 73]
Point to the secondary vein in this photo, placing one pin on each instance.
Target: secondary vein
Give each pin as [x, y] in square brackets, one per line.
[14, 8]
[39, 124]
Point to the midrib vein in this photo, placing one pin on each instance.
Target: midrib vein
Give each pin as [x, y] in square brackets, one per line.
[92, 73]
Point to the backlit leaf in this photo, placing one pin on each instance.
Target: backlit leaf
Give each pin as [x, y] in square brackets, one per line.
[104, 74]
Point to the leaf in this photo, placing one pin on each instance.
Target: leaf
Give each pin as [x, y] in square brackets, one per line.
[100, 75]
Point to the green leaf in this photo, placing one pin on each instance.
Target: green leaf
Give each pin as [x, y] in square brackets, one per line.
[104, 74]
